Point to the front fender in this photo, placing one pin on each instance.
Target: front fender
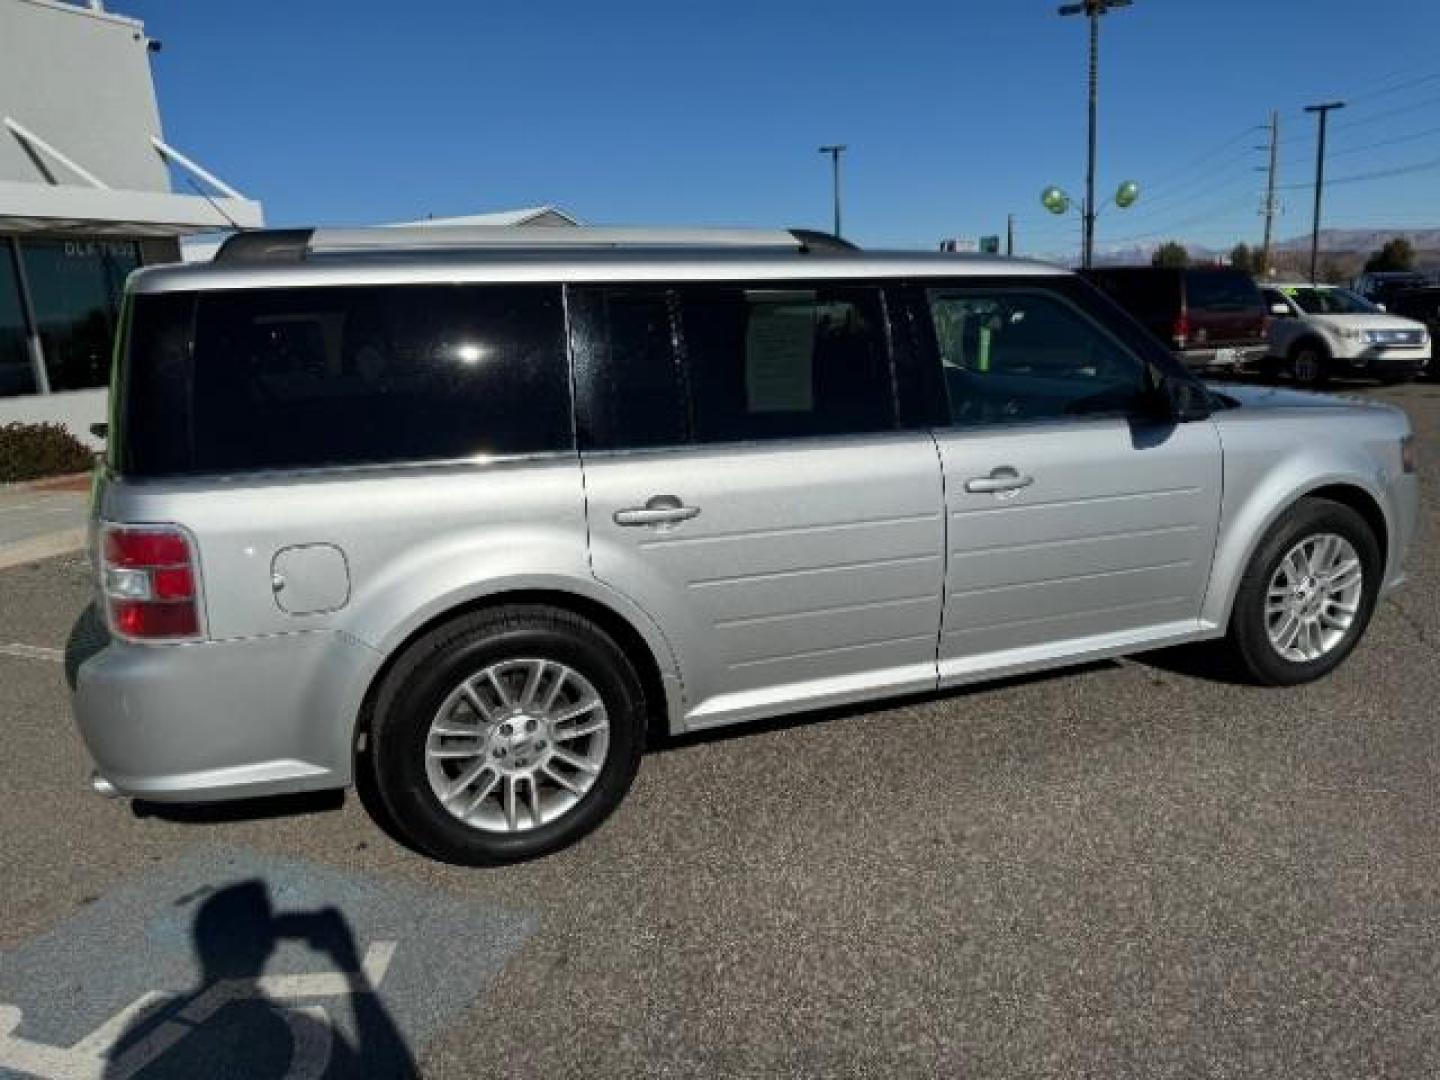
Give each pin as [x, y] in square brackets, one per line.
[1263, 481]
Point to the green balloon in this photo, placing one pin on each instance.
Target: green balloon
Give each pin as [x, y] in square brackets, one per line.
[1127, 194]
[1055, 200]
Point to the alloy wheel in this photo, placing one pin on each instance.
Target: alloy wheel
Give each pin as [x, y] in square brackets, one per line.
[1313, 597]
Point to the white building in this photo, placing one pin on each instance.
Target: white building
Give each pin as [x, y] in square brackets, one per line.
[85, 197]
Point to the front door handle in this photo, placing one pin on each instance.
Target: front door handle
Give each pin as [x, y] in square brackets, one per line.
[658, 510]
[1004, 478]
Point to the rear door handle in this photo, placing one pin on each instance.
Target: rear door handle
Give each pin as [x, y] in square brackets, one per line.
[658, 510]
[1004, 478]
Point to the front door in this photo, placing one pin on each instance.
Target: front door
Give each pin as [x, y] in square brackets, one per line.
[1077, 521]
[747, 486]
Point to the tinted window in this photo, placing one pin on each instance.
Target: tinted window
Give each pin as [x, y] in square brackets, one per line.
[1014, 355]
[628, 377]
[232, 381]
[17, 376]
[1220, 290]
[75, 286]
[1149, 294]
[769, 362]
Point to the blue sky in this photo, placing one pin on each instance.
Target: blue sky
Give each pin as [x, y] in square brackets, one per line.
[956, 112]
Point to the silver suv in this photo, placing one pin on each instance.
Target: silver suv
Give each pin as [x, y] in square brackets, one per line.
[469, 515]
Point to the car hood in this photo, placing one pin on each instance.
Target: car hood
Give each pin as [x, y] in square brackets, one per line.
[1365, 320]
[1275, 397]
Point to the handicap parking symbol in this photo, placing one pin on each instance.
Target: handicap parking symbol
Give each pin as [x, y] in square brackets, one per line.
[231, 965]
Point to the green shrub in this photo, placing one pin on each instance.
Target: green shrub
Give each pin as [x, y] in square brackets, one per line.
[35, 451]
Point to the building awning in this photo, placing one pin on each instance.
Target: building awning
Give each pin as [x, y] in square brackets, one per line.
[106, 211]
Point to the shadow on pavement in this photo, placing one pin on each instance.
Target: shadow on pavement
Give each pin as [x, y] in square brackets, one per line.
[239, 1023]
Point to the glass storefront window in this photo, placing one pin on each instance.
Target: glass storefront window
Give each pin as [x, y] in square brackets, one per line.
[16, 374]
[75, 287]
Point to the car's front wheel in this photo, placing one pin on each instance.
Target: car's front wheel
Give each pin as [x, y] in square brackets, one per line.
[1308, 594]
[506, 734]
[1309, 365]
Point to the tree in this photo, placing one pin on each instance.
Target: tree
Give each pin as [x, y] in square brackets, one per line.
[1242, 257]
[1397, 254]
[1170, 254]
[1332, 271]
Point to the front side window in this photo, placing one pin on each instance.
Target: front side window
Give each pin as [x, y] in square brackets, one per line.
[769, 362]
[1009, 356]
[312, 377]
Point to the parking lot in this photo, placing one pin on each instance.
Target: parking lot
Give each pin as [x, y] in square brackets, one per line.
[1132, 869]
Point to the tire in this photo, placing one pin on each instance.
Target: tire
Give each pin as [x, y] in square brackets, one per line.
[1250, 636]
[1309, 364]
[489, 658]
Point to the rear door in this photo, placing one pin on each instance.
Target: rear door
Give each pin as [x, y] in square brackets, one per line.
[1076, 521]
[1224, 308]
[747, 486]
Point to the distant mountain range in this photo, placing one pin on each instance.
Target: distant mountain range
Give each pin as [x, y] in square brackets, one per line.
[1332, 242]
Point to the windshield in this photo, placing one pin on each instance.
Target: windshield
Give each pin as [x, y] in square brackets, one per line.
[1330, 301]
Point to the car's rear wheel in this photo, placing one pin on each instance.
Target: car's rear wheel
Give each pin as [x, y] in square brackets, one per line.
[1308, 594]
[506, 734]
[1309, 364]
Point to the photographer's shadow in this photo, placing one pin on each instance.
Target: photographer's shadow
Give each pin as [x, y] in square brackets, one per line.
[240, 1023]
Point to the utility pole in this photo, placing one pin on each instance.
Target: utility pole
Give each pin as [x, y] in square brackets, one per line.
[1324, 113]
[835, 152]
[1269, 210]
[1010, 234]
[1092, 9]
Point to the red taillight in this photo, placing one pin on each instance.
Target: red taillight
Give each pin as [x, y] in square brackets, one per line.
[1181, 330]
[148, 577]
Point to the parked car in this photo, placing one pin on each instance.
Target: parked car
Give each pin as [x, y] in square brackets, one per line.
[1213, 318]
[1319, 331]
[1379, 286]
[472, 514]
[1422, 305]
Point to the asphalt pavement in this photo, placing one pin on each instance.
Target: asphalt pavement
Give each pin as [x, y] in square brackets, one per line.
[1134, 869]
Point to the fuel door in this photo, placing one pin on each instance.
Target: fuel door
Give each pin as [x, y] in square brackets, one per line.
[310, 579]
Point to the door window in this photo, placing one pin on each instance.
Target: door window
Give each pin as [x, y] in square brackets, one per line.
[767, 362]
[707, 364]
[1011, 356]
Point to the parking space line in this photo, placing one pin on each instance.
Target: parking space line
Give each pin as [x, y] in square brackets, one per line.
[33, 652]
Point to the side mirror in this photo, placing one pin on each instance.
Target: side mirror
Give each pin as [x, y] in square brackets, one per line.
[1181, 400]
[1280, 311]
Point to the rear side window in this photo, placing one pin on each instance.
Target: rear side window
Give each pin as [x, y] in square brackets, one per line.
[1150, 294]
[768, 363]
[1220, 290]
[302, 378]
[730, 363]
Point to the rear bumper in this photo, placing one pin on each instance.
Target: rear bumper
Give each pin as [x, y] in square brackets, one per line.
[1222, 357]
[223, 720]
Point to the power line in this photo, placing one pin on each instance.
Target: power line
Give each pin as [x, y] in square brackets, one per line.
[1385, 142]
[1378, 174]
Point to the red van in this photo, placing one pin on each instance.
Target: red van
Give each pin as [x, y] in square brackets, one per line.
[1213, 318]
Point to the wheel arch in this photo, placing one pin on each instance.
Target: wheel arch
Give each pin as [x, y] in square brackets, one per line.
[1310, 337]
[660, 682]
[1345, 491]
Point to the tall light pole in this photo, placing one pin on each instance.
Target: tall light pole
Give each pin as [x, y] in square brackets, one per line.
[1092, 9]
[835, 152]
[1324, 113]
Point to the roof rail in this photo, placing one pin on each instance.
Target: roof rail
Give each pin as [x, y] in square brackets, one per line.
[295, 245]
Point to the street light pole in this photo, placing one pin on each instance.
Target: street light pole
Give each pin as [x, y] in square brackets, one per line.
[835, 152]
[1092, 10]
[1324, 113]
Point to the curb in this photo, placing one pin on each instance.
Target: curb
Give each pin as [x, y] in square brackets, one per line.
[42, 547]
[69, 482]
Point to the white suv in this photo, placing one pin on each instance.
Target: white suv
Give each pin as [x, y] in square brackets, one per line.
[1323, 330]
